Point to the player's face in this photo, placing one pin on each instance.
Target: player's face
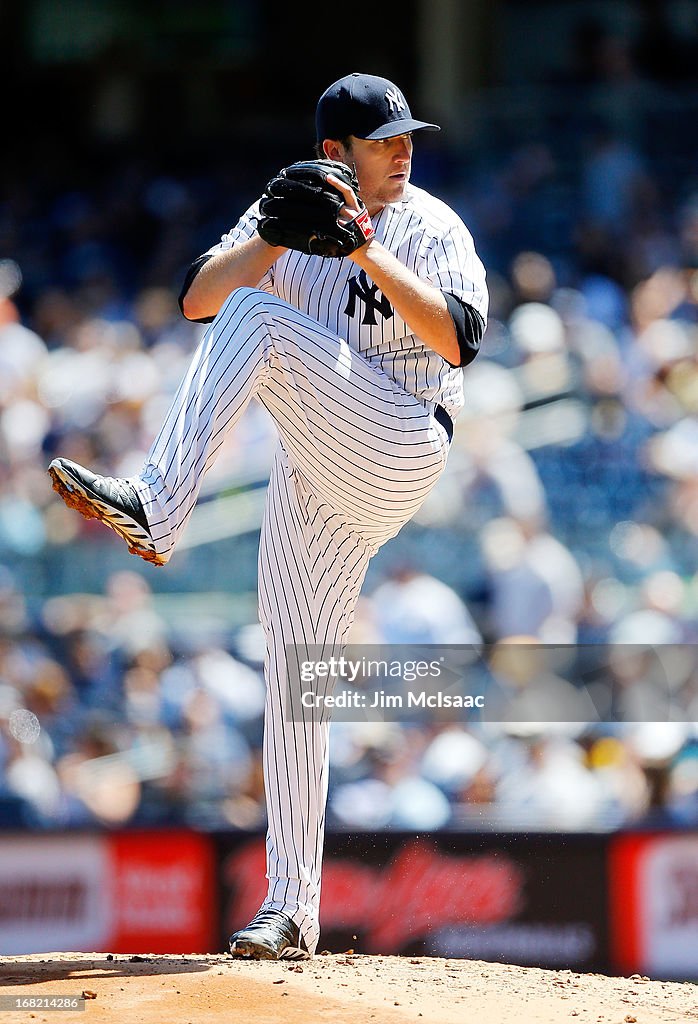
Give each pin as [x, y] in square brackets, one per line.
[382, 167]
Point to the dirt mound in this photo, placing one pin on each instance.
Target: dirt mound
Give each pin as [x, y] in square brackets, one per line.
[343, 988]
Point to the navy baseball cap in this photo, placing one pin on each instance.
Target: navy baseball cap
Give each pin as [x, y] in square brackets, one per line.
[365, 106]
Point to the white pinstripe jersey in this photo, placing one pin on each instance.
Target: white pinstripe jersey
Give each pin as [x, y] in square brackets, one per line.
[428, 238]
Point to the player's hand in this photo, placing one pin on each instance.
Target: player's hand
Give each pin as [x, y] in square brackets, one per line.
[352, 204]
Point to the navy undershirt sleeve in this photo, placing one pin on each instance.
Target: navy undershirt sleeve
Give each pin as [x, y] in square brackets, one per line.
[191, 274]
[469, 326]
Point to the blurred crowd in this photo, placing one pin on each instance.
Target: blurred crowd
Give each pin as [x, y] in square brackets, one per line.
[568, 514]
[108, 717]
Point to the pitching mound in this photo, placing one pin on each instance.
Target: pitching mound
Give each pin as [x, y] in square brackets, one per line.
[343, 988]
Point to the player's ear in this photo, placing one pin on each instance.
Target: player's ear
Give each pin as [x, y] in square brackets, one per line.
[333, 149]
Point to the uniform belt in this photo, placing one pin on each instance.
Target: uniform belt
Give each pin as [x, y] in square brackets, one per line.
[442, 417]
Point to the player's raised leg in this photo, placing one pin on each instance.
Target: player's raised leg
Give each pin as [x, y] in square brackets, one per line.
[362, 444]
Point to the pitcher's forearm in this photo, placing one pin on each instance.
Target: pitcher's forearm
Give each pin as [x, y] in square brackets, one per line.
[421, 306]
[242, 266]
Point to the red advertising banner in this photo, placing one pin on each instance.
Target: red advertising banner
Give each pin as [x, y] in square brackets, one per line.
[123, 893]
[627, 903]
[163, 885]
[653, 890]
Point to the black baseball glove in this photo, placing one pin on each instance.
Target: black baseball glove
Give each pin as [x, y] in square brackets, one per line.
[300, 210]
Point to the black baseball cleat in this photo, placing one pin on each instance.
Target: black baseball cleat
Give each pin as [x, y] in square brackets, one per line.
[112, 500]
[270, 935]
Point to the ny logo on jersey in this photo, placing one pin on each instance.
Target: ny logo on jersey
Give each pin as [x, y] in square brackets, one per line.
[361, 288]
[395, 100]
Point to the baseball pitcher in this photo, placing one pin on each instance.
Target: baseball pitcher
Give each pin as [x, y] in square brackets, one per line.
[347, 301]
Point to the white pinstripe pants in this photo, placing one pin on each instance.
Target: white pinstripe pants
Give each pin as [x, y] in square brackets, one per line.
[357, 457]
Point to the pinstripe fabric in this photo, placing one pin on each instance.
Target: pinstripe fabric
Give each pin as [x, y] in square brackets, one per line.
[311, 567]
[330, 405]
[352, 393]
[428, 238]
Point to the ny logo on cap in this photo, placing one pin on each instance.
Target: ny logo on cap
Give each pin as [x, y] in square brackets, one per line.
[395, 100]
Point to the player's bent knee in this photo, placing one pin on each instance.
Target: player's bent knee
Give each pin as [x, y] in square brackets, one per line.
[253, 297]
[244, 303]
